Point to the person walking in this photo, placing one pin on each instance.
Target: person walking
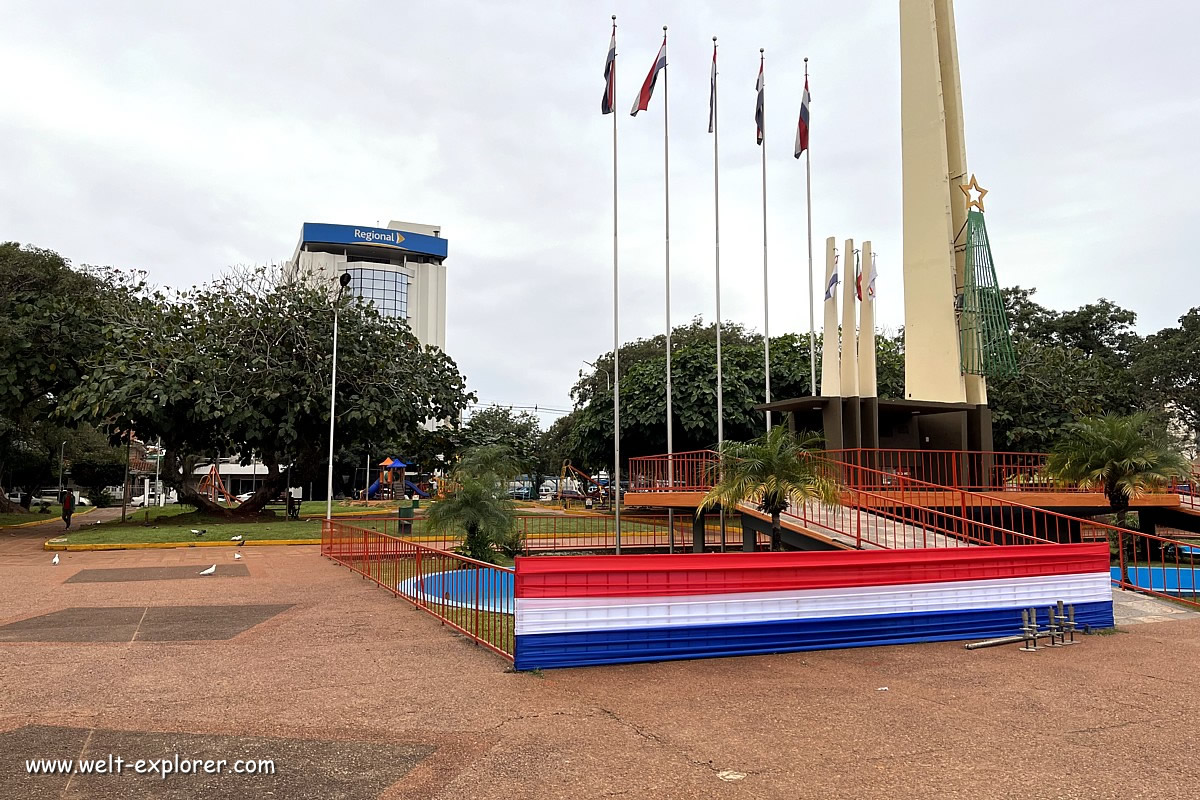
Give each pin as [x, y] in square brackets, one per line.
[68, 507]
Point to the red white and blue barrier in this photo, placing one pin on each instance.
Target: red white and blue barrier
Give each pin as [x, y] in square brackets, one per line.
[585, 610]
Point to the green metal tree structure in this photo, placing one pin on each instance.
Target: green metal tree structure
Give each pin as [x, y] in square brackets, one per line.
[985, 344]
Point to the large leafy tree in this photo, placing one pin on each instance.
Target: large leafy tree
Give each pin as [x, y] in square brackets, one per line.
[519, 431]
[770, 472]
[1070, 364]
[1167, 364]
[242, 366]
[588, 438]
[52, 322]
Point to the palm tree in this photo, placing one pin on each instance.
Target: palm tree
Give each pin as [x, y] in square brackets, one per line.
[1125, 456]
[478, 505]
[771, 471]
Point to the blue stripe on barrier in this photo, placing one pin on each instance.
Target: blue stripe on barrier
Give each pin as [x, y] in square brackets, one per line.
[548, 650]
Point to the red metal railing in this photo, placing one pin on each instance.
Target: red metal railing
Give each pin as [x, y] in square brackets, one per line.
[1187, 491]
[547, 533]
[691, 471]
[481, 606]
[974, 471]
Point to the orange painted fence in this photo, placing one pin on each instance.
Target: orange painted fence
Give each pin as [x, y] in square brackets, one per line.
[548, 533]
[473, 597]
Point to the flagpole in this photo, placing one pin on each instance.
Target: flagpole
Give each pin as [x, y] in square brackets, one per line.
[717, 262]
[667, 261]
[812, 326]
[616, 344]
[766, 312]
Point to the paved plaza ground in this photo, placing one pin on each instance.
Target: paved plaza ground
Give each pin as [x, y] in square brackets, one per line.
[357, 695]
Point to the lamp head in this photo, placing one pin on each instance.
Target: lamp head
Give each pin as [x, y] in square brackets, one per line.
[345, 279]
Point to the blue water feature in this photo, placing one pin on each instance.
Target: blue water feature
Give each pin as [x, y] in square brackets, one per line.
[486, 589]
[1169, 580]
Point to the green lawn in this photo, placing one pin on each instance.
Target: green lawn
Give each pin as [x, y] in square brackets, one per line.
[55, 513]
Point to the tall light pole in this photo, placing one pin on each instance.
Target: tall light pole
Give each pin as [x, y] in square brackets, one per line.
[61, 450]
[343, 281]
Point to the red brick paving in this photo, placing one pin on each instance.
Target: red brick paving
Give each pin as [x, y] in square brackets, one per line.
[1111, 718]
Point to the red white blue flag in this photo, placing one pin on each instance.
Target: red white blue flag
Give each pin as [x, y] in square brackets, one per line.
[802, 126]
[831, 285]
[758, 108]
[642, 102]
[610, 76]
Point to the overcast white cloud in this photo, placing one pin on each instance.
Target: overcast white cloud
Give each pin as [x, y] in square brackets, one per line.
[181, 138]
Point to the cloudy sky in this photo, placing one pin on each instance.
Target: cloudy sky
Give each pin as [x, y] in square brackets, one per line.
[180, 138]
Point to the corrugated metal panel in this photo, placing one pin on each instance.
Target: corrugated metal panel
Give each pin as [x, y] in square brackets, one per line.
[543, 651]
[716, 573]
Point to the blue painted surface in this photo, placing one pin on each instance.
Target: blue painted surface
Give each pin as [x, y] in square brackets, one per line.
[541, 651]
[1171, 580]
[487, 589]
[416, 489]
[320, 232]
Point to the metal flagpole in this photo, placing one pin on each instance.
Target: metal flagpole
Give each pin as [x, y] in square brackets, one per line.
[812, 326]
[717, 263]
[667, 252]
[766, 312]
[616, 342]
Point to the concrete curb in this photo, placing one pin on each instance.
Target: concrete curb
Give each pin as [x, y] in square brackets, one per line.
[47, 519]
[75, 548]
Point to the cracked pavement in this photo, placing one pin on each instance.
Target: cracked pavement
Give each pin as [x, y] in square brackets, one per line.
[353, 669]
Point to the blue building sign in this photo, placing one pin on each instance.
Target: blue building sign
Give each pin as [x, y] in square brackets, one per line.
[320, 232]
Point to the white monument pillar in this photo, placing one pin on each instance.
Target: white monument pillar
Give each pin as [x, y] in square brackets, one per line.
[867, 384]
[849, 324]
[831, 385]
[933, 156]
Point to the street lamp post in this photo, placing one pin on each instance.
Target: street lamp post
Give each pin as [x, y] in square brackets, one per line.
[344, 281]
[607, 374]
[61, 450]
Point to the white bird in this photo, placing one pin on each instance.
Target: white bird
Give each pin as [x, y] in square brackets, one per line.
[55, 561]
[237, 556]
[210, 570]
[237, 538]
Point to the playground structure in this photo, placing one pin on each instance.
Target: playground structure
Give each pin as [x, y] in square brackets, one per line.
[212, 487]
[585, 481]
[392, 474]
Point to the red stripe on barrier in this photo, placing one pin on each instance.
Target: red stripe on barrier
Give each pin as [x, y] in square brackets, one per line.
[724, 573]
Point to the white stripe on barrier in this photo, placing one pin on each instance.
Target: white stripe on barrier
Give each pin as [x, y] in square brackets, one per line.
[563, 615]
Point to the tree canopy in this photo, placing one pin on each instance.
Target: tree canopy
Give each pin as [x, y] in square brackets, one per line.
[242, 366]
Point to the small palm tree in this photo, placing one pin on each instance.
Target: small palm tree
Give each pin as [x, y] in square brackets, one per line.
[478, 506]
[1124, 456]
[771, 471]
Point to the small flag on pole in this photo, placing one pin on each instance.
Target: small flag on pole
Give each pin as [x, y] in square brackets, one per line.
[858, 275]
[712, 92]
[802, 126]
[871, 280]
[758, 108]
[829, 287]
[610, 75]
[642, 101]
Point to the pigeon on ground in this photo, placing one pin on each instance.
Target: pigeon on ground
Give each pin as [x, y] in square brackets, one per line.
[237, 538]
[237, 556]
[55, 561]
[199, 532]
[240, 543]
[210, 570]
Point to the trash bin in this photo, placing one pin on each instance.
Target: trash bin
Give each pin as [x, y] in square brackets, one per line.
[416, 503]
[406, 512]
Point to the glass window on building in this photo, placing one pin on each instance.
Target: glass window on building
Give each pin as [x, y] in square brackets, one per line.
[385, 289]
